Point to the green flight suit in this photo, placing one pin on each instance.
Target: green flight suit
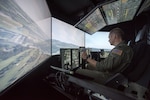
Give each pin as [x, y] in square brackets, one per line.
[117, 60]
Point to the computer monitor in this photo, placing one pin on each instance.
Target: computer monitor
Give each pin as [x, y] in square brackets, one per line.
[71, 58]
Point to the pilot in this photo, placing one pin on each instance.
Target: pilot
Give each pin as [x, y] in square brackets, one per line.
[118, 59]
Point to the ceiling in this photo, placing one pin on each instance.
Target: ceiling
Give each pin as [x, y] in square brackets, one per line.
[72, 11]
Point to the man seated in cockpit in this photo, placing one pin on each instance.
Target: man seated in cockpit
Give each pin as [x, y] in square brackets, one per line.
[117, 60]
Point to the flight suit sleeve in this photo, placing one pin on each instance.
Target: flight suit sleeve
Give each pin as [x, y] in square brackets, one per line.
[111, 62]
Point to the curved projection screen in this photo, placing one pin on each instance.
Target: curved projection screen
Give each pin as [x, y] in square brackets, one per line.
[65, 36]
[24, 38]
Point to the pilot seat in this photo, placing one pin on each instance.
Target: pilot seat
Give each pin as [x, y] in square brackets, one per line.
[135, 79]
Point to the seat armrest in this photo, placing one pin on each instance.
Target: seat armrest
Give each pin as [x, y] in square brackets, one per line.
[117, 81]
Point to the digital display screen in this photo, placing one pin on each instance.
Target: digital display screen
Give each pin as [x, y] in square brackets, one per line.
[71, 57]
[75, 58]
[24, 38]
[120, 10]
[92, 22]
[108, 14]
[65, 58]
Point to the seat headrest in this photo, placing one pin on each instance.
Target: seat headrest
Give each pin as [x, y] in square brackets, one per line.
[140, 35]
[144, 34]
[148, 36]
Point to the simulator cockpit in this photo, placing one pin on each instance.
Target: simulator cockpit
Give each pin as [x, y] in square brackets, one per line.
[42, 41]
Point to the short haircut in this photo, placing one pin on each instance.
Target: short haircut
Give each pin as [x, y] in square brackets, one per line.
[119, 32]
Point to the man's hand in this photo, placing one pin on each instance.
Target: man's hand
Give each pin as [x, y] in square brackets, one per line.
[89, 60]
[84, 55]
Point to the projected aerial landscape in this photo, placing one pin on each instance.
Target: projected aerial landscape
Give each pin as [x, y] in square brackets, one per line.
[23, 45]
